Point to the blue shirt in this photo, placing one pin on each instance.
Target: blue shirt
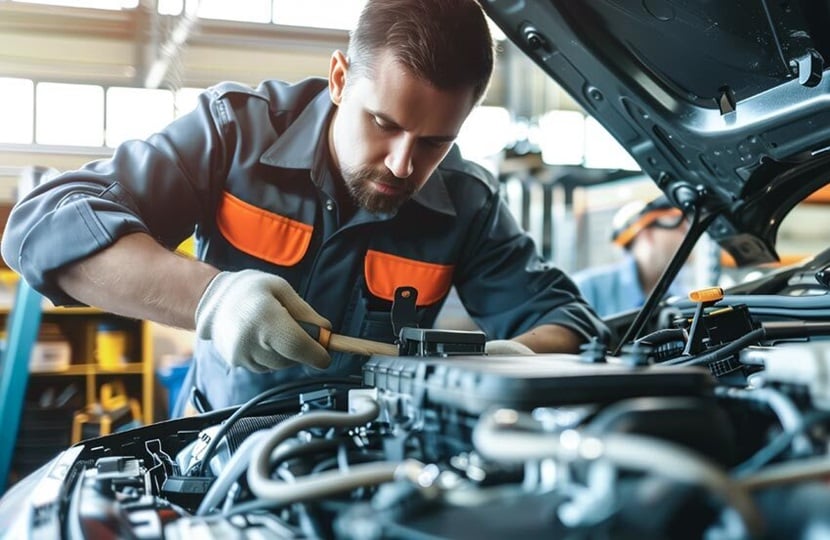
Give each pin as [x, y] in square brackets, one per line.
[614, 288]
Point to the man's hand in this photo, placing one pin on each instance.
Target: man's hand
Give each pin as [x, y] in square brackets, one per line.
[251, 317]
[506, 346]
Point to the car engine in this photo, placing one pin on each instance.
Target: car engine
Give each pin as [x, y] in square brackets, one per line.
[713, 427]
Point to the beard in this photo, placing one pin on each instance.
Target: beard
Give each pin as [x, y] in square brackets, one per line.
[360, 184]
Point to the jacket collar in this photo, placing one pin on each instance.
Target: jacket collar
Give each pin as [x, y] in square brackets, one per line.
[293, 151]
[434, 194]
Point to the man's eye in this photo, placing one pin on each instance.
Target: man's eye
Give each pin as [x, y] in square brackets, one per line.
[435, 144]
[379, 122]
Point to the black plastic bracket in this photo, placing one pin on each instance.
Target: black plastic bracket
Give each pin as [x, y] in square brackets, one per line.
[403, 309]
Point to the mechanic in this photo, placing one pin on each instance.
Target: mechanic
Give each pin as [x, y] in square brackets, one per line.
[649, 234]
[310, 201]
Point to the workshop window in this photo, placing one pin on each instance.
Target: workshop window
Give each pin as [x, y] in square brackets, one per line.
[336, 14]
[486, 132]
[256, 11]
[69, 114]
[602, 151]
[16, 111]
[339, 14]
[186, 100]
[562, 137]
[136, 113]
[170, 7]
[96, 4]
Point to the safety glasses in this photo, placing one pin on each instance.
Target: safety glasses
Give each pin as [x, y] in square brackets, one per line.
[665, 218]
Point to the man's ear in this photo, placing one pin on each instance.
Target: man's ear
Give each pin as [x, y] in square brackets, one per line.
[338, 68]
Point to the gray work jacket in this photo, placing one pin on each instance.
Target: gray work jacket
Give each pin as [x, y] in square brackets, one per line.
[247, 173]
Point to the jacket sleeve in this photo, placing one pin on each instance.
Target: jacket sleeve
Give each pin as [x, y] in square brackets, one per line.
[162, 186]
[508, 288]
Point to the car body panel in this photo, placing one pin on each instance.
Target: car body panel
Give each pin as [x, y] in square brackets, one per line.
[722, 104]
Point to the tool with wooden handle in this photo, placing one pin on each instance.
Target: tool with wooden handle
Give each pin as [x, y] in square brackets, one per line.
[339, 343]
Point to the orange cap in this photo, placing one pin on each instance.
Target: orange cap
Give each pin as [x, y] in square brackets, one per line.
[710, 294]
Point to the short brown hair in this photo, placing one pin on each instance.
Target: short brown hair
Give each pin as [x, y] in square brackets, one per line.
[446, 42]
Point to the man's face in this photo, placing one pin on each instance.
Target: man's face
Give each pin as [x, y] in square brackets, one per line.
[665, 241]
[390, 130]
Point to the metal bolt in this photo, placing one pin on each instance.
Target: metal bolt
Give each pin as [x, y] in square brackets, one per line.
[595, 94]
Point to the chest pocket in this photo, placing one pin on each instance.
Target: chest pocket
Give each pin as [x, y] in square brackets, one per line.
[384, 273]
[265, 235]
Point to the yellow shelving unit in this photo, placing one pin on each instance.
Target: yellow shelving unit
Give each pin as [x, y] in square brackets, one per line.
[80, 327]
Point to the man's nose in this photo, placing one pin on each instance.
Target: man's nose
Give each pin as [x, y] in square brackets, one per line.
[399, 158]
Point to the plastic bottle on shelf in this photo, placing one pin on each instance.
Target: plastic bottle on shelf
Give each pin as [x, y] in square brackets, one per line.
[111, 345]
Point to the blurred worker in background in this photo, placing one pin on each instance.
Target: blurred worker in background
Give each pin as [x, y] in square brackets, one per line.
[649, 234]
[309, 202]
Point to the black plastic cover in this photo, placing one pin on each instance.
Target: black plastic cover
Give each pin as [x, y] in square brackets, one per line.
[474, 384]
[432, 342]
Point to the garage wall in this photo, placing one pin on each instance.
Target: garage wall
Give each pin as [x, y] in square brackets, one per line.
[119, 48]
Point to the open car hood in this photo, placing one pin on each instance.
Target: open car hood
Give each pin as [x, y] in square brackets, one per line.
[723, 104]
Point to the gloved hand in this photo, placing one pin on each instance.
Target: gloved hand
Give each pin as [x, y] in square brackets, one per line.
[506, 346]
[251, 317]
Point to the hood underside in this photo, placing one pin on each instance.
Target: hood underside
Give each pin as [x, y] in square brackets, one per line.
[723, 104]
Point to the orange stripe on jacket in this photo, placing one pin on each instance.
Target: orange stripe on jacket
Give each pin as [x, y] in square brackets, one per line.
[271, 237]
[384, 273]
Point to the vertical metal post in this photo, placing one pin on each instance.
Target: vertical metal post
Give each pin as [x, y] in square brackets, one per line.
[547, 222]
[22, 329]
[23, 325]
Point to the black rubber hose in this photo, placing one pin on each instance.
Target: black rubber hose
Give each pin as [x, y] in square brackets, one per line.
[719, 354]
[254, 401]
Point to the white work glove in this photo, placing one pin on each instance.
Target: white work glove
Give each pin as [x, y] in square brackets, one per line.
[251, 317]
[506, 346]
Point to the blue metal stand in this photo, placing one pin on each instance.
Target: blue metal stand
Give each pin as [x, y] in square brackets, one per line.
[22, 331]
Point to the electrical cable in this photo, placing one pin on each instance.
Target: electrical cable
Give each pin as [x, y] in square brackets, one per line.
[343, 458]
[254, 401]
[238, 465]
[664, 335]
[785, 410]
[787, 473]
[778, 445]
[230, 474]
[665, 343]
[306, 449]
[331, 482]
[796, 329]
[248, 507]
[306, 488]
[770, 330]
[503, 436]
[327, 464]
[719, 354]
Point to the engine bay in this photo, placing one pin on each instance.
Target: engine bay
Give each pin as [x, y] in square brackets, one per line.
[705, 427]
